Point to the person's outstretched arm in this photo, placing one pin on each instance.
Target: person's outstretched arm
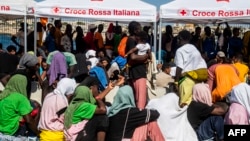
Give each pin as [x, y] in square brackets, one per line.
[133, 50]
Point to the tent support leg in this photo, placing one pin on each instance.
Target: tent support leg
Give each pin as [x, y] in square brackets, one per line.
[35, 35]
[160, 40]
[155, 36]
[25, 33]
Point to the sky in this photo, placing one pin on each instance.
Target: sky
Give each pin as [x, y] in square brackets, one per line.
[157, 3]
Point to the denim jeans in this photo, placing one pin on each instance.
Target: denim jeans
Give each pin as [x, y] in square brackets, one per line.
[210, 128]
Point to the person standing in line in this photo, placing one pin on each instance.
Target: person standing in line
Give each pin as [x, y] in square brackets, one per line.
[137, 71]
[89, 38]
[58, 33]
[66, 40]
[98, 37]
[80, 46]
[109, 45]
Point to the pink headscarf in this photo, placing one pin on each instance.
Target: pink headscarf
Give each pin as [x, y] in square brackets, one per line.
[202, 93]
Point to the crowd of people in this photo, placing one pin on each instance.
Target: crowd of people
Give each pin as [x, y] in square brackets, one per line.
[112, 89]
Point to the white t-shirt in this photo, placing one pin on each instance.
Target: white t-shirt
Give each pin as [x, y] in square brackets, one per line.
[188, 58]
[142, 48]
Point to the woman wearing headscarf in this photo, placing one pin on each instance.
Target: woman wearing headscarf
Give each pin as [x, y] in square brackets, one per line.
[124, 117]
[89, 39]
[66, 40]
[79, 40]
[91, 57]
[93, 84]
[51, 122]
[173, 119]
[239, 110]
[15, 105]
[221, 79]
[28, 66]
[118, 63]
[57, 70]
[138, 71]
[84, 119]
[204, 116]
[109, 45]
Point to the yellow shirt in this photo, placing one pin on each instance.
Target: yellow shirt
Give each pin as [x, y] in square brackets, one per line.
[243, 71]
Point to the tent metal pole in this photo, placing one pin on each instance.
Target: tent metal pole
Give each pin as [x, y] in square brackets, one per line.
[155, 35]
[25, 33]
[159, 46]
[35, 35]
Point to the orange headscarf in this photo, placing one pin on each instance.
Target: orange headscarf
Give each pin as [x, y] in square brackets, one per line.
[226, 78]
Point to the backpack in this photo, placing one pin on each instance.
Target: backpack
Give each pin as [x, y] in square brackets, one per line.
[122, 46]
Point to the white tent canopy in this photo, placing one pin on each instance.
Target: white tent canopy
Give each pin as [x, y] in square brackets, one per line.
[106, 10]
[206, 11]
[111, 10]
[12, 9]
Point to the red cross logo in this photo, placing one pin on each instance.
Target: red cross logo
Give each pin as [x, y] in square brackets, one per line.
[222, 0]
[56, 10]
[183, 12]
[31, 10]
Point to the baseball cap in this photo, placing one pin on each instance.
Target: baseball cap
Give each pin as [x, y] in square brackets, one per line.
[221, 54]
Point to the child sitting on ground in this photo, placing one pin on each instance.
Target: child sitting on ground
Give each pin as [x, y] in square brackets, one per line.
[141, 48]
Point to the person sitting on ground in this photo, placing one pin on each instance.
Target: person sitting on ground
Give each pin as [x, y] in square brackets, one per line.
[11, 49]
[221, 79]
[28, 66]
[164, 77]
[91, 56]
[70, 67]
[173, 118]
[15, 104]
[8, 61]
[84, 119]
[239, 110]
[219, 59]
[70, 60]
[43, 68]
[54, 105]
[124, 117]
[205, 116]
